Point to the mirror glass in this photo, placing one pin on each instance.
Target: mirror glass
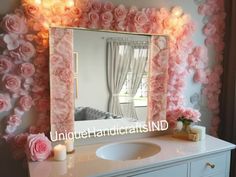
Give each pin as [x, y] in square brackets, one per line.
[111, 71]
[106, 80]
[110, 76]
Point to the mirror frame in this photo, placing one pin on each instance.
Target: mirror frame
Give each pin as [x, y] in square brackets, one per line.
[61, 77]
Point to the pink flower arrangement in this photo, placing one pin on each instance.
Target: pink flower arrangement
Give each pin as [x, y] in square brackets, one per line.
[186, 115]
[38, 147]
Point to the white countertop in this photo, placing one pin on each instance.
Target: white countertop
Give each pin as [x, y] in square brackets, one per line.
[84, 161]
[104, 124]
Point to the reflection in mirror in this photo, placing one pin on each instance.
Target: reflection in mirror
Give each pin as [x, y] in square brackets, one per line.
[110, 75]
[103, 80]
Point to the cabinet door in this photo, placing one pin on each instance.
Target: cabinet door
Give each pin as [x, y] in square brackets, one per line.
[178, 170]
[209, 166]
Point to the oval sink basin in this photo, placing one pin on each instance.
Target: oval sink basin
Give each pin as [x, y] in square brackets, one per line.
[127, 151]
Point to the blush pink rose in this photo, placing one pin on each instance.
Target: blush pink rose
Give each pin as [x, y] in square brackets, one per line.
[162, 14]
[5, 64]
[31, 11]
[12, 82]
[65, 75]
[209, 29]
[5, 102]
[140, 18]
[107, 6]
[96, 5]
[25, 103]
[13, 23]
[106, 19]
[26, 51]
[14, 120]
[27, 70]
[120, 13]
[93, 17]
[38, 147]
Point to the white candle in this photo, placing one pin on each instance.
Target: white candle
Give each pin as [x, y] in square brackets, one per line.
[69, 145]
[59, 152]
[200, 130]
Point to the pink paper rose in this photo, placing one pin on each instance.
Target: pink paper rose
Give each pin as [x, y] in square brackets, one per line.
[13, 23]
[209, 29]
[25, 103]
[96, 5]
[27, 70]
[120, 13]
[32, 11]
[5, 64]
[93, 19]
[12, 82]
[38, 147]
[140, 18]
[26, 51]
[14, 120]
[5, 102]
[108, 6]
[106, 19]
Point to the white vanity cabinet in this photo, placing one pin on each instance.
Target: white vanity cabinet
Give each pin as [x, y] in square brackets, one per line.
[181, 170]
[177, 158]
[215, 165]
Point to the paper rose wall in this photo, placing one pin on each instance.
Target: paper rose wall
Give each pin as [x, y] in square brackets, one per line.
[24, 57]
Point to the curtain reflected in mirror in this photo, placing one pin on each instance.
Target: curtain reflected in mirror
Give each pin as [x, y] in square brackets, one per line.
[127, 76]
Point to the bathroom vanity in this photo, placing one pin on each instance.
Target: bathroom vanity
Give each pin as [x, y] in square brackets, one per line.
[207, 158]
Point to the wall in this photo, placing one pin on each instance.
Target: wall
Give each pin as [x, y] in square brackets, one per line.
[8, 166]
[189, 7]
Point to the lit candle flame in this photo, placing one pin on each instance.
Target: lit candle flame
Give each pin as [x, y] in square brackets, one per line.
[37, 2]
[70, 3]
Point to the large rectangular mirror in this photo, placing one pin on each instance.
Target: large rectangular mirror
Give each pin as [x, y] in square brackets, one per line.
[112, 75]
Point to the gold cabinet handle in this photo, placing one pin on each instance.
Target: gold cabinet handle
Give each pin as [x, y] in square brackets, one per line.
[210, 165]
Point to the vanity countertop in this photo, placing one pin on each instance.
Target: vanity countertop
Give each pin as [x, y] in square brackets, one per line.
[84, 161]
